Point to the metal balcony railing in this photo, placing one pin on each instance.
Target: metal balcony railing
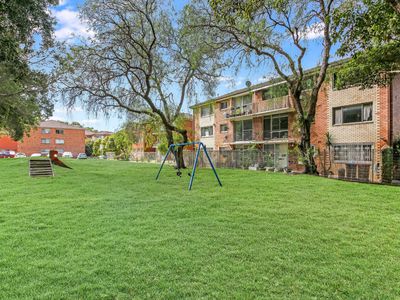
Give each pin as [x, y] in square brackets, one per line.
[259, 107]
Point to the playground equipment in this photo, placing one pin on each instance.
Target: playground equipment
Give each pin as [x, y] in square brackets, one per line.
[40, 167]
[172, 149]
[55, 161]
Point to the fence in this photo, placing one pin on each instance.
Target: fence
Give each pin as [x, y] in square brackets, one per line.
[240, 159]
[348, 163]
[391, 166]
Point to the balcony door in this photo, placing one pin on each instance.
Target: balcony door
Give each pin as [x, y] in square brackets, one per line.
[277, 155]
[276, 127]
[243, 130]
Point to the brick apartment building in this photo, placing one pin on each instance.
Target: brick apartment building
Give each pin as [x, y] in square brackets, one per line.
[94, 135]
[49, 135]
[360, 123]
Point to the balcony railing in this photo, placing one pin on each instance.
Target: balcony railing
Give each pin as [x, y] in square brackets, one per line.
[244, 135]
[259, 107]
[276, 134]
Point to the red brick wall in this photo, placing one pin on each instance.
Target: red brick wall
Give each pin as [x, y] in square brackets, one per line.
[74, 141]
[7, 143]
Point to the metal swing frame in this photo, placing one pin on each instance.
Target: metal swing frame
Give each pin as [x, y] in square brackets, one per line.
[200, 146]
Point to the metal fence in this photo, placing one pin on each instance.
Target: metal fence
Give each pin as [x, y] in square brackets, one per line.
[356, 164]
[347, 163]
[390, 166]
[240, 159]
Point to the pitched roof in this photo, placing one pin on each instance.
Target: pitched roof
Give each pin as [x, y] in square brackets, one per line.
[58, 124]
[262, 85]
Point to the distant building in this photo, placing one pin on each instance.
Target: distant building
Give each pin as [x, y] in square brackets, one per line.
[94, 135]
[49, 135]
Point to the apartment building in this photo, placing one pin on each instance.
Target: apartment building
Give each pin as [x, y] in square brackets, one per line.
[359, 123]
[50, 135]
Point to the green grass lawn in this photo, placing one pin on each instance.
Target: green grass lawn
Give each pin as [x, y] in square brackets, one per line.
[108, 230]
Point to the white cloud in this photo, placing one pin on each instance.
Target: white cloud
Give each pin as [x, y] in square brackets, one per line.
[70, 25]
[63, 2]
[89, 122]
[314, 31]
[64, 110]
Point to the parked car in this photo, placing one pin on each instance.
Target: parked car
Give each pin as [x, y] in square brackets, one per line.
[7, 154]
[67, 155]
[102, 156]
[82, 156]
[20, 155]
[36, 155]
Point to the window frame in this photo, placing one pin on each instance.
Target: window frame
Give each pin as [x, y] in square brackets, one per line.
[349, 153]
[226, 126]
[204, 128]
[46, 130]
[211, 110]
[59, 131]
[58, 143]
[362, 107]
[243, 130]
[223, 108]
[272, 131]
[45, 139]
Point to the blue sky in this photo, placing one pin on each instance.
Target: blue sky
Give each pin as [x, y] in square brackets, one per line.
[68, 23]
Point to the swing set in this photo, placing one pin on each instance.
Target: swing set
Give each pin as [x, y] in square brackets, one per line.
[173, 149]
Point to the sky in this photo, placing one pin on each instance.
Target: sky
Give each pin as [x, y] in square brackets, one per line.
[69, 23]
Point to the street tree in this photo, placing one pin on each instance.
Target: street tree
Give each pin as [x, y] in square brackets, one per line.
[276, 32]
[141, 61]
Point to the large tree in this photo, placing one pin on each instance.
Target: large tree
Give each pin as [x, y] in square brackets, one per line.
[23, 87]
[276, 31]
[369, 32]
[141, 61]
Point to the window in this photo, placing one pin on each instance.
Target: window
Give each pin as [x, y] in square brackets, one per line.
[45, 130]
[59, 141]
[243, 101]
[44, 151]
[206, 110]
[352, 114]
[45, 141]
[206, 131]
[275, 91]
[59, 131]
[243, 130]
[276, 127]
[354, 153]
[223, 128]
[223, 105]
[60, 151]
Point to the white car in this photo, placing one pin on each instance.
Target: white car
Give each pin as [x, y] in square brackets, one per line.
[20, 155]
[36, 155]
[67, 155]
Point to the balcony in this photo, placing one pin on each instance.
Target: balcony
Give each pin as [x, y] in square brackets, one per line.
[244, 135]
[281, 104]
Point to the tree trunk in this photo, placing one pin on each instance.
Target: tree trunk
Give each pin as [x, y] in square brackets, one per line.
[306, 150]
[180, 160]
